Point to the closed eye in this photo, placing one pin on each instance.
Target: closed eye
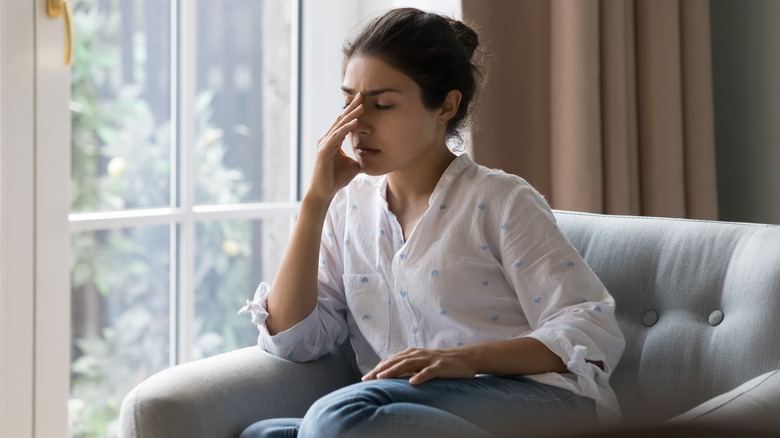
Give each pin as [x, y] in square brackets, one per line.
[383, 107]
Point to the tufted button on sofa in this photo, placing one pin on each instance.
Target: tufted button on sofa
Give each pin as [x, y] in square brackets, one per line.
[698, 302]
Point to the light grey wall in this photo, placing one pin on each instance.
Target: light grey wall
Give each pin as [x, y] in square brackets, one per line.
[746, 81]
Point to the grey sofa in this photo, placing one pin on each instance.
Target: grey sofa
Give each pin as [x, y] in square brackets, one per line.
[698, 302]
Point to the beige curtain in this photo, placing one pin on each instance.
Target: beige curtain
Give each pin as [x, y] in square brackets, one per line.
[603, 105]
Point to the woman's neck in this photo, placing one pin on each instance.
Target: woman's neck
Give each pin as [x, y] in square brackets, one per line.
[415, 184]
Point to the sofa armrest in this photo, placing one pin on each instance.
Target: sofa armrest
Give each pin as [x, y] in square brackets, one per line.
[221, 395]
[753, 405]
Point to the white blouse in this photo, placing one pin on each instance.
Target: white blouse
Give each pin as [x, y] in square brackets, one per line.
[485, 262]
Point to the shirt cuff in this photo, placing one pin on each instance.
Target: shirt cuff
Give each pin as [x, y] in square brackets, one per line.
[258, 307]
[592, 381]
[286, 343]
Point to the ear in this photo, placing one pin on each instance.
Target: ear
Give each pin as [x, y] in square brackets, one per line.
[450, 106]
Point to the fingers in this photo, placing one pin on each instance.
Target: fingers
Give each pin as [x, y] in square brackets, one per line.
[334, 138]
[348, 112]
[425, 375]
[336, 135]
[421, 365]
[419, 370]
[358, 100]
[380, 367]
[405, 363]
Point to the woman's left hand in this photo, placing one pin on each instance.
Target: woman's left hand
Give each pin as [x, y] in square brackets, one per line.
[421, 365]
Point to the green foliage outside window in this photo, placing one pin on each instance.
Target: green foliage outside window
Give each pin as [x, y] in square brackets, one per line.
[120, 279]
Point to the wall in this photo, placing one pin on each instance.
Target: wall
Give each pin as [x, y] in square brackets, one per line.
[746, 80]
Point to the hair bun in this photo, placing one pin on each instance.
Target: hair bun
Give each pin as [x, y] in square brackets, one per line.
[466, 35]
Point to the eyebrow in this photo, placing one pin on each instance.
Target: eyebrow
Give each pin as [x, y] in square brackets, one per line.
[376, 92]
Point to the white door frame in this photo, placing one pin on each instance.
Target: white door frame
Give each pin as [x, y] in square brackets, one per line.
[17, 142]
[34, 236]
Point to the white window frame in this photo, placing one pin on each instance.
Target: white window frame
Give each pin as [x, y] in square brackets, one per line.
[183, 215]
[34, 241]
[16, 219]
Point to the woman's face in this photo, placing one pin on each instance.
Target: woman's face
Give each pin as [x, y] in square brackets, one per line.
[395, 131]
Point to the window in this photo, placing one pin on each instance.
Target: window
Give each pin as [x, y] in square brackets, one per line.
[186, 174]
[184, 184]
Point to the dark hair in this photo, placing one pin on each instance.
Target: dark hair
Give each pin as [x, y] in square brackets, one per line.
[435, 51]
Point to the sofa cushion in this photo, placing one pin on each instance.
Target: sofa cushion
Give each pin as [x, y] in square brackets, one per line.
[698, 302]
[754, 404]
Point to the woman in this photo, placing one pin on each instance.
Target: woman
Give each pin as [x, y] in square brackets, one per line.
[469, 312]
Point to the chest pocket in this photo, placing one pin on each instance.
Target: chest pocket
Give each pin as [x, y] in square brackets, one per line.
[368, 299]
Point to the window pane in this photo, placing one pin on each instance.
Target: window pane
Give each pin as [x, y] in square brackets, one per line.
[120, 105]
[242, 125]
[232, 258]
[120, 312]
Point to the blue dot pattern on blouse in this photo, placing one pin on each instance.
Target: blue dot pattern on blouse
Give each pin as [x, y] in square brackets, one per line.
[570, 264]
[364, 280]
[480, 236]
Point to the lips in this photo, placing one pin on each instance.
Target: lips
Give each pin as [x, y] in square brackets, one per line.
[365, 151]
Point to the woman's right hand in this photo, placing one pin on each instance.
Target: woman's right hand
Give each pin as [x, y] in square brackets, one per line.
[333, 169]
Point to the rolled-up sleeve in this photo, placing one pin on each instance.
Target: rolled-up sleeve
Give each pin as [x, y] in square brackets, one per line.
[326, 326]
[307, 340]
[567, 306]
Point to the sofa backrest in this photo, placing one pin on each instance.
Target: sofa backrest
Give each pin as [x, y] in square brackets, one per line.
[698, 302]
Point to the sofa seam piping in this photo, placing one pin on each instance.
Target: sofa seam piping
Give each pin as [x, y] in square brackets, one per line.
[733, 398]
[672, 219]
[135, 411]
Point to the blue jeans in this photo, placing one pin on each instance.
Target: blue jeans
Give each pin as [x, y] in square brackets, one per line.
[486, 406]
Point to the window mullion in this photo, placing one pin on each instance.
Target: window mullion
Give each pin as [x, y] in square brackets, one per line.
[184, 258]
[295, 99]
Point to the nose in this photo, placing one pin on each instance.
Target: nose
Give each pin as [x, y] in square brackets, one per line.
[363, 125]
